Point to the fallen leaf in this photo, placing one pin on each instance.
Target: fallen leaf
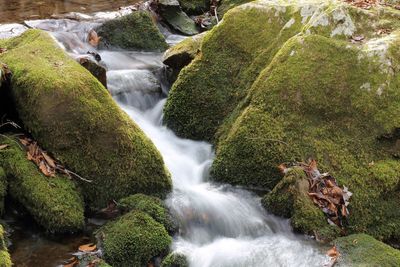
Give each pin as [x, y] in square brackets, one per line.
[333, 252]
[3, 146]
[88, 247]
[49, 160]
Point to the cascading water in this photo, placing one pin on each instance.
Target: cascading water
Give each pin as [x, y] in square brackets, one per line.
[219, 225]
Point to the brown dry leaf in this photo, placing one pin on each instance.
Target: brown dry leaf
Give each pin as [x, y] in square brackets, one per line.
[94, 38]
[333, 252]
[49, 160]
[73, 262]
[3, 146]
[282, 168]
[88, 247]
[25, 141]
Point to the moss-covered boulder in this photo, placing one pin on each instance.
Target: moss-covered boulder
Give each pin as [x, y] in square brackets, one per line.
[285, 81]
[133, 240]
[290, 199]
[54, 202]
[134, 31]
[74, 117]
[225, 5]
[172, 14]
[5, 259]
[3, 189]
[181, 54]
[364, 250]
[195, 7]
[175, 259]
[153, 206]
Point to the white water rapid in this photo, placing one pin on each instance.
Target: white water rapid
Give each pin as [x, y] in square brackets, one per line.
[220, 226]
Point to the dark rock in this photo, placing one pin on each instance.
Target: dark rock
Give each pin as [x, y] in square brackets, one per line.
[95, 68]
[173, 15]
[133, 31]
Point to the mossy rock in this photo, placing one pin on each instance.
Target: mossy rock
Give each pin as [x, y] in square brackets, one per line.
[195, 7]
[133, 240]
[364, 250]
[282, 81]
[73, 116]
[5, 258]
[153, 206]
[290, 199]
[3, 189]
[134, 31]
[181, 54]
[229, 4]
[175, 259]
[54, 202]
[242, 45]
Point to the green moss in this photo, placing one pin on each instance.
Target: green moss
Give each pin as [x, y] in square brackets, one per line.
[153, 206]
[229, 4]
[3, 189]
[175, 260]
[133, 240]
[5, 259]
[74, 117]
[54, 202]
[195, 7]
[363, 250]
[133, 31]
[290, 199]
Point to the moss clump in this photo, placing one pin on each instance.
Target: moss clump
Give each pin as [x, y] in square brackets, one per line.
[73, 116]
[3, 189]
[153, 206]
[5, 259]
[195, 7]
[290, 199]
[175, 260]
[364, 250]
[133, 240]
[229, 4]
[54, 202]
[133, 31]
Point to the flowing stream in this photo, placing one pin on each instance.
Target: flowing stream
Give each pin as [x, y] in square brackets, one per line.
[220, 225]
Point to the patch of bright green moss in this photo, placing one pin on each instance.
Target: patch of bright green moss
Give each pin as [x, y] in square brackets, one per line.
[133, 31]
[364, 250]
[153, 206]
[54, 202]
[73, 116]
[133, 240]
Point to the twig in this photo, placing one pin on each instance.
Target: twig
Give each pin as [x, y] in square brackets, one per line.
[74, 174]
[7, 137]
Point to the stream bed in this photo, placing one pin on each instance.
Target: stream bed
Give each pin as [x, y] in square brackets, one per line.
[220, 225]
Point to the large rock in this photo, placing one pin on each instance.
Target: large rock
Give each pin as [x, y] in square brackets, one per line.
[364, 250]
[133, 240]
[153, 206]
[181, 54]
[173, 15]
[73, 116]
[5, 259]
[54, 202]
[285, 81]
[290, 199]
[134, 31]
